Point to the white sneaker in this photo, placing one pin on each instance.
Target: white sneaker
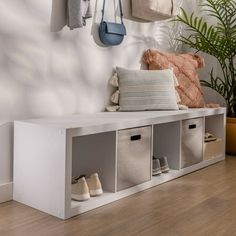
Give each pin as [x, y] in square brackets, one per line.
[156, 166]
[80, 190]
[94, 185]
[164, 164]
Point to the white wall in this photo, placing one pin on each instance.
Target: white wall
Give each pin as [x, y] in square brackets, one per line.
[48, 74]
[52, 74]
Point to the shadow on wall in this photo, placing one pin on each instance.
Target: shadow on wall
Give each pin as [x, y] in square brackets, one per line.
[43, 74]
[163, 37]
[53, 74]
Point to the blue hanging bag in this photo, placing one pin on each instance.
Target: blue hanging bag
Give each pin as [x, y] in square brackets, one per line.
[112, 34]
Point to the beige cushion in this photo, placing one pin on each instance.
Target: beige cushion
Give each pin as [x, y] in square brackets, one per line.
[146, 90]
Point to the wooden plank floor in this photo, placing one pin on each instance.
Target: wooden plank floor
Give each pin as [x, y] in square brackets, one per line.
[201, 203]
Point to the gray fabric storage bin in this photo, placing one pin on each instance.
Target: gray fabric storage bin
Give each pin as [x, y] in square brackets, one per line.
[133, 157]
[192, 142]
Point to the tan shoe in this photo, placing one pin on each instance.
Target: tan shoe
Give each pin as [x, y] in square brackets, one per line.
[94, 184]
[80, 190]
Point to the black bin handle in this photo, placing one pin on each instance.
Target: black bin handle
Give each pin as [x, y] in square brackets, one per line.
[135, 137]
[194, 126]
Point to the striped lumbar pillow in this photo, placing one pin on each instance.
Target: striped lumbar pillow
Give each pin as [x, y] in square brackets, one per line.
[146, 90]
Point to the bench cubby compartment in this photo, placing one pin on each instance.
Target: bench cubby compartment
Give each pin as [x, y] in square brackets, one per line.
[216, 148]
[133, 156]
[96, 153]
[166, 142]
[213, 149]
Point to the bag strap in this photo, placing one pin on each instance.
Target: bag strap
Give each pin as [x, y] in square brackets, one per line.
[172, 7]
[121, 11]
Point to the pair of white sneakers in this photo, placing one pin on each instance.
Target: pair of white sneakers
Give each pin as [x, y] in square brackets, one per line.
[82, 188]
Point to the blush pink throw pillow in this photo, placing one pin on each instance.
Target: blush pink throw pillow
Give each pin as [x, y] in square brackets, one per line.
[185, 68]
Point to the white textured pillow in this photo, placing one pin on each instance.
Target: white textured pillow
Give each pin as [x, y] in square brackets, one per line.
[146, 90]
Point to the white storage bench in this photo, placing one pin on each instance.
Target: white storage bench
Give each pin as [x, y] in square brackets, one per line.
[48, 152]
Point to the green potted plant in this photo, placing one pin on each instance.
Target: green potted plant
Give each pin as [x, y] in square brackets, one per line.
[219, 41]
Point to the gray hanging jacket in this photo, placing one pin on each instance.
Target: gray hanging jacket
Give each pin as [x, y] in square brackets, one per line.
[77, 13]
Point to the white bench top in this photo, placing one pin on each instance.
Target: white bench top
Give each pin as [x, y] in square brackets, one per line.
[109, 121]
